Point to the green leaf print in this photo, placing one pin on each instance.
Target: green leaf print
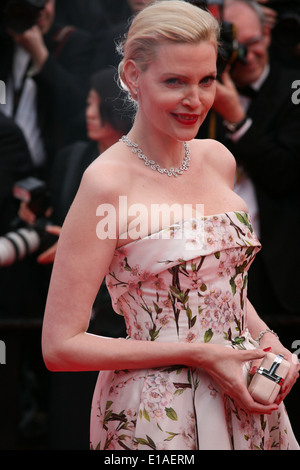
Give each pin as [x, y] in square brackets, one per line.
[151, 442]
[179, 294]
[241, 268]
[171, 413]
[153, 333]
[172, 435]
[189, 313]
[244, 220]
[238, 340]
[193, 266]
[208, 335]
[146, 415]
[263, 422]
[157, 308]
[232, 284]
[146, 442]
[249, 251]
[126, 265]
[200, 310]
[179, 392]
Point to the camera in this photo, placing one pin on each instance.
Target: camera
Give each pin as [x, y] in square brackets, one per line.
[230, 51]
[20, 15]
[24, 239]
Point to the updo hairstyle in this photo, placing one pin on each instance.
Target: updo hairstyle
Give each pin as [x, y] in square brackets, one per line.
[164, 21]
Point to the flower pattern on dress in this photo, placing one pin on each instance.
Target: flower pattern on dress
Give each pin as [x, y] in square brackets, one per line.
[187, 283]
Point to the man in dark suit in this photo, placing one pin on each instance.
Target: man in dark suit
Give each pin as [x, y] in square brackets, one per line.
[262, 129]
[46, 70]
[255, 117]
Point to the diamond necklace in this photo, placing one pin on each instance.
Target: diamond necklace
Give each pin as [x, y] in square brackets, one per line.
[155, 166]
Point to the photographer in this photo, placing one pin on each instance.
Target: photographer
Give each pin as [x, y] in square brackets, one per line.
[45, 67]
[256, 119]
[262, 132]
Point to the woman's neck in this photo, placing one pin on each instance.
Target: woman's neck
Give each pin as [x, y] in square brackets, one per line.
[167, 152]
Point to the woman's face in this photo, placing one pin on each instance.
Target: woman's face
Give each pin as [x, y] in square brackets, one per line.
[178, 88]
[94, 123]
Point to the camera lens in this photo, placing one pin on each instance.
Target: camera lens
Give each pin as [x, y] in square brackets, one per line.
[17, 245]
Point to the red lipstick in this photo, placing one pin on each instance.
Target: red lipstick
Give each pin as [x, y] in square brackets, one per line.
[186, 119]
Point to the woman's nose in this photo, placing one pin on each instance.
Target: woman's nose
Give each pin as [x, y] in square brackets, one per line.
[89, 111]
[192, 97]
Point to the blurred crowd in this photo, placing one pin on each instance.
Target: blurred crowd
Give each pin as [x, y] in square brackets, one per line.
[63, 107]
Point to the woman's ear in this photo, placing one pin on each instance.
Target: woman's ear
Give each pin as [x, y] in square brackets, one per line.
[131, 75]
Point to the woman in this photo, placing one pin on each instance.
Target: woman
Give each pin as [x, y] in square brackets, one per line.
[180, 380]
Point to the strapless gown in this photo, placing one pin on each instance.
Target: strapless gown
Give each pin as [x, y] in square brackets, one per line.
[186, 283]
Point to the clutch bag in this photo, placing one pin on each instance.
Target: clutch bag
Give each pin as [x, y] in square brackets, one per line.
[268, 379]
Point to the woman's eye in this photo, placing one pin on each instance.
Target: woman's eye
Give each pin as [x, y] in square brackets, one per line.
[208, 80]
[174, 81]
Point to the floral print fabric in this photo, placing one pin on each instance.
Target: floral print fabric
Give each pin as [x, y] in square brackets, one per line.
[186, 283]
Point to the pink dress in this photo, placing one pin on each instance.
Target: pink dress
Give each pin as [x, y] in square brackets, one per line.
[187, 283]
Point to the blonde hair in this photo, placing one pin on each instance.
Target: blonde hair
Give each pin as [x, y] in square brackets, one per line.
[165, 21]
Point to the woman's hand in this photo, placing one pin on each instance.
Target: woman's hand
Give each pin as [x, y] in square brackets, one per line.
[225, 366]
[269, 341]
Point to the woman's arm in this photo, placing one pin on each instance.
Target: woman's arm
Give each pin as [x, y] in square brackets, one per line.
[254, 322]
[81, 262]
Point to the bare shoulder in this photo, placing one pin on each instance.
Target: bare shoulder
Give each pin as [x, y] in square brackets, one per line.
[101, 184]
[217, 156]
[106, 176]
[215, 152]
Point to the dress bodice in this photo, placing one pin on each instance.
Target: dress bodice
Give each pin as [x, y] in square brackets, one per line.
[187, 282]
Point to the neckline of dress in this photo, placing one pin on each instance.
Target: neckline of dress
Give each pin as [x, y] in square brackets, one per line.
[181, 222]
